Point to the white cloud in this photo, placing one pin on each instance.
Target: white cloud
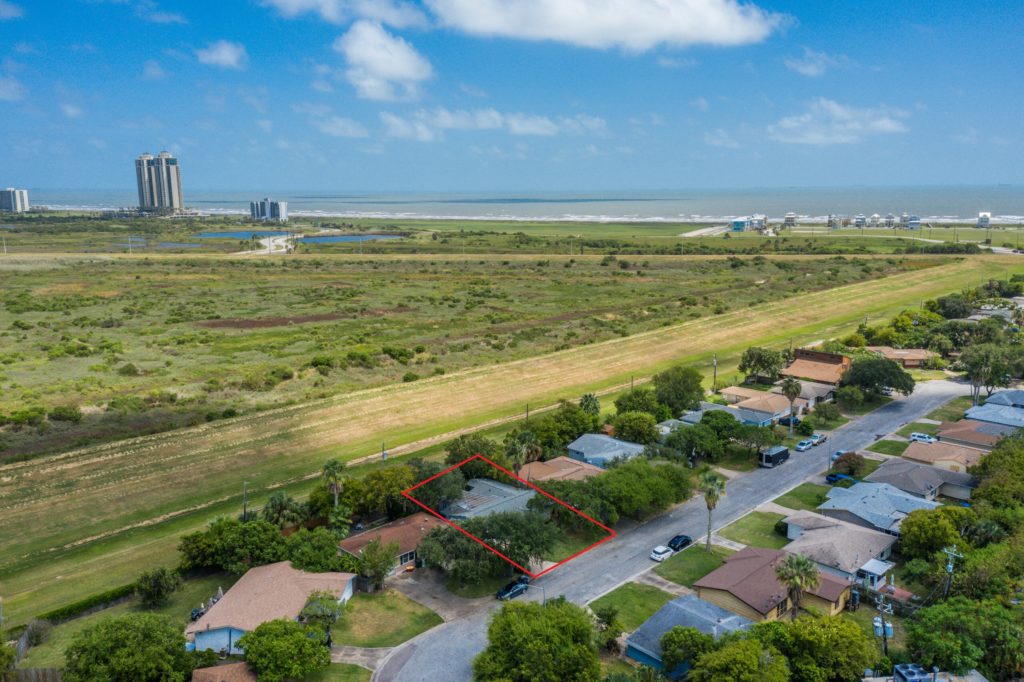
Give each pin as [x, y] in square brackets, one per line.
[382, 66]
[225, 54]
[429, 125]
[700, 104]
[720, 138]
[265, 124]
[473, 91]
[391, 12]
[635, 25]
[8, 10]
[676, 63]
[396, 126]
[71, 110]
[10, 89]
[164, 18]
[828, 122]
[323, 118]
[152, 71]
[813, 63]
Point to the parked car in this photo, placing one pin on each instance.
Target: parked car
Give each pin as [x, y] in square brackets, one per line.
[680, 542]
[886, 390]
[785, 421]
[660, 553]
[514, 588]
[804, 445]
[832, 479]
[818, 438]
[838, 453]
[921, 438]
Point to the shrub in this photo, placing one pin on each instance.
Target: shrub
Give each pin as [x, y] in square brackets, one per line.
[850, 464]
[400, 355]
[128, 370]
[410, 376]
[806, 427]
[155, 587]
[37, 631]
[29, 416]
[782, 528]
[322, 363]
[849, 397]
[79, 607]
[827, 411]
[361, 358]
[66, 413]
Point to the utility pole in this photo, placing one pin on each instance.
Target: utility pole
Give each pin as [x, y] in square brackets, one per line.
[5, 241]
[714, 381]
[383, 452]
[245, 501]
[883, 611]
[129, 245]
[951, 556]
[631, 383]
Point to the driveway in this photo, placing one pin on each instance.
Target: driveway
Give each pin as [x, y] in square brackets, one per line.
[447, 651]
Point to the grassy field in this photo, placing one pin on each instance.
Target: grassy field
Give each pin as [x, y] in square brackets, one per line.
[90, 519]
[918, 427]
[340, 672]
[756, 529]
[386, 618]
[692, 564]
[889, 447]
[951, 411]
[635, 602]
[870, 465]
[806, 497]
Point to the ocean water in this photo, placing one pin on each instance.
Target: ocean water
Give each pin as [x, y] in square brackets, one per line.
[933, 204]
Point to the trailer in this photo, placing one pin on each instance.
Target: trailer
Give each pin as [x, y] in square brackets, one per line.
[773, 457]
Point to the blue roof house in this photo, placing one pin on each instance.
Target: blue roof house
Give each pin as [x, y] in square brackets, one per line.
[873, 505]
[644, 645]
[601, 450]
[741, 414]
[997, 413]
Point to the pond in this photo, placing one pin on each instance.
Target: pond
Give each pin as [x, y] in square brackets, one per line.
[334, 238]
[250, 234]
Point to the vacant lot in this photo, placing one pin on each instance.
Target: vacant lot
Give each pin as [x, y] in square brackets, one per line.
[93, 518]
[635, 602]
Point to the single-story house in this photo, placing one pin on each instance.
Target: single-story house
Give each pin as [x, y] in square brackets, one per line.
[943, 455]
[907, 357]
[600, 450]
[741, 414]
[924, 481]
[996, 413]
[737, 394]
[264, 593]
[771, 403]
[559, 469]
[1008, 397]
[973, 433]
[811, 393]
[746, 584]
[873, 505]
[231, 672]
[407, 531]
[483, 497]
[817, 366]
[850, 552]
[666, 428]
[644, 645]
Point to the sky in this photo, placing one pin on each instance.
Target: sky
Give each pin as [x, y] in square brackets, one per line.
[501, 95]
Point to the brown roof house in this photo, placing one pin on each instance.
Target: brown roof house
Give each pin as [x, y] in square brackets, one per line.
[848, 551]
[924, 481]
[559, 469]
[975, 434]
[817, 366]
[944, 455]
[232, 672]
[264, 593]
[746, 585]
[907, 357]
[771, 403]
[408, 532]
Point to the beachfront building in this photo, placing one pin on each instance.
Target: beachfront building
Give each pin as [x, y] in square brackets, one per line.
[14, 200]
[741, 224]
[159, 183]
[890, 220]
[984, 220]
[789, 220]
[265, 209]
[875, 220]
[860, 220]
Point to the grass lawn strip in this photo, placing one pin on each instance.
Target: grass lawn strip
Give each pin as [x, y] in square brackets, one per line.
[636, 603]
[382, 619]
[894, 448]
[805, 497]
[340, 672]
[756, 529]
[692, 564]
[919, 427]
[951, 411]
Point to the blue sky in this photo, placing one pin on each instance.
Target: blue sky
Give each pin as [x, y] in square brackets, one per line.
[390, 95]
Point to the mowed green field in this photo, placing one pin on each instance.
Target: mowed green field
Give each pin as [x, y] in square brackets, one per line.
[91, 519]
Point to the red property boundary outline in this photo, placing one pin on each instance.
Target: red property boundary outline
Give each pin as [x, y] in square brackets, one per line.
[611, 533]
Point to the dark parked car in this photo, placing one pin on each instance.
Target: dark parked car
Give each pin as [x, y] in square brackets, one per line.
[680, 542]
[786, 420]
[514, 588]
[835, 478]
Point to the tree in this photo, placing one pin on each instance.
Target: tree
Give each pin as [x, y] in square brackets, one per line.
[791, 388]
[642, 400]
[155, 587]
[723, 423]
[383, 489]
[591, 406]
[987, 366]
[849, 397]
[522, 447]
[697, 442]
[756, 438]
[322, 609]
[282, 510]
[138, 647]
[440, 490]
[826, 648]
[924, 532]
[6, 659]
[377, 560]
[761, 362]
[528, 642]
[798, 574]
[283, 650]
[712, 487]
[635, 427]
[683, 645]
[849, 463]
[339, 520]
[826, 412]
[314, 550]
[231, 545]
[680, 388]
[872, 374]
[744, 660]
[332, 475]
[609, 627]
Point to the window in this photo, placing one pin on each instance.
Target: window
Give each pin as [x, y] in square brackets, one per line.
[407, 557]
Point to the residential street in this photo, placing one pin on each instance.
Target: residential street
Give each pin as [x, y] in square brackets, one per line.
[446, 652]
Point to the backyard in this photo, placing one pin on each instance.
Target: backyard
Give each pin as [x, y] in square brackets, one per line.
[382, 619]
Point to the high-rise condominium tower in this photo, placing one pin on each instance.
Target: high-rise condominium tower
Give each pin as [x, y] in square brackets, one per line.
[14, 200]
[269, 210]
[159, 181]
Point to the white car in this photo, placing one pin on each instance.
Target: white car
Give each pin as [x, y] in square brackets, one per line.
[804, 446]
[660, 553]
[921, 438]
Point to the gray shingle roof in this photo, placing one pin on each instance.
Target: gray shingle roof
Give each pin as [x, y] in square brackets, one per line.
[1013, 398]
[740, 414]
[599, 447]
[687, 611]
[831, 542]
[918, 479]
[995, 413]
[880, 504]
[488, 497]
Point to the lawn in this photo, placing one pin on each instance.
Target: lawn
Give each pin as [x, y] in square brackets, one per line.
[340, 672]
[870, 465]
[926, 374]
[864, 617]
[889, 447]
[867, 406]
[385, 618]
[806, 496]
[823, 425]
[50, 654]
[951, 411]
[692, 564]
[485, 588]
[611, 664]
[635, 602]
[738, 458]
[191, 475]
[919, 427]
[756, 529]
[568, 544]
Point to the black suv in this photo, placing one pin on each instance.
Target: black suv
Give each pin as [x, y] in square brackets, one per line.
[514, 588]
[680, 542]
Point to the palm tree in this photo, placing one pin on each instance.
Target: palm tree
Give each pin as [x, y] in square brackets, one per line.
[797, 573]
[331, 473]
[791, 388]
[712, 486]
[282, 510]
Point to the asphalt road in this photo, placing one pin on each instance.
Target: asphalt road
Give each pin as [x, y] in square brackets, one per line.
[447, 651]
